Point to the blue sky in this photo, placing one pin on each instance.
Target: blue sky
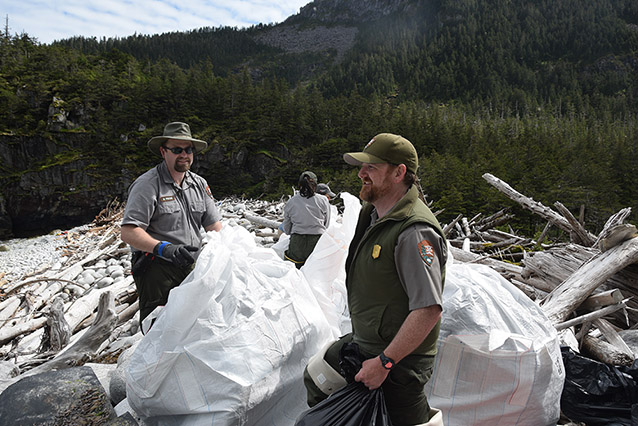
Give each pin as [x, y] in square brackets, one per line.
[49, 20]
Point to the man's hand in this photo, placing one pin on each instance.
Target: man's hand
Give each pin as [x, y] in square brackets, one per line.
[179, 254]
[372, 373]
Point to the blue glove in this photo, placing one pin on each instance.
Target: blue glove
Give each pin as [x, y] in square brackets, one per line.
[179, 254]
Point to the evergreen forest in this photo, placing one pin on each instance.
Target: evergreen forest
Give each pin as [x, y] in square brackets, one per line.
[542, 94]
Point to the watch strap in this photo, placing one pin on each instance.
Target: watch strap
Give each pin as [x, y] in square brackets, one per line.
[386, 362]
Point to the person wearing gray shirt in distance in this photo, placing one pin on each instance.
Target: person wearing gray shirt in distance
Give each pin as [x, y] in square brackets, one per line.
[306, 217]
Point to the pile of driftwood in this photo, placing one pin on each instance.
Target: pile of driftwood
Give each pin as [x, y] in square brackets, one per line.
[51, 320]
[586, 287]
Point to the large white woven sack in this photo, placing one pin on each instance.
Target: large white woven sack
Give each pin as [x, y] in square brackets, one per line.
[325, 267]
[230, 346]
[499, 360]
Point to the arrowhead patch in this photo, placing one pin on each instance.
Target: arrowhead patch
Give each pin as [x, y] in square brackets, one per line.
[426, 251]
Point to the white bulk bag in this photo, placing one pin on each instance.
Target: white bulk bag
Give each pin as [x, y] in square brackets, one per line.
[325, 267]
[230, 346]
[499, 360]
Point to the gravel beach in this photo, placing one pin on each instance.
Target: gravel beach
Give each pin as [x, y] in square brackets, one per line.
[20, 257]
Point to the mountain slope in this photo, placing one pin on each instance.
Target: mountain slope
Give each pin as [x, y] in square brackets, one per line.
[542, 94]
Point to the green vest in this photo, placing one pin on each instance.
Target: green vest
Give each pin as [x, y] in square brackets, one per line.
[377, 301]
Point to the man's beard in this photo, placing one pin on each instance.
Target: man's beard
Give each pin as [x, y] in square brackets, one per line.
[372, 193]
[367, 193]
[182, 166]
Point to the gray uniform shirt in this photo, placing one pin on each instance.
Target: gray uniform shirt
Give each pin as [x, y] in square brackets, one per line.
[169, 212]
[306, 215]
[420, 280]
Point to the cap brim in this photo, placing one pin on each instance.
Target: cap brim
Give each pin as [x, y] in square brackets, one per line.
[358, 158]
[157, 141]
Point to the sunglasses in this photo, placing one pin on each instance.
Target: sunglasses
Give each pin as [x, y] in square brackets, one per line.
[178, 150]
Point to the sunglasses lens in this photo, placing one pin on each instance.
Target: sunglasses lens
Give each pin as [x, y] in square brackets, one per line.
[178, 150]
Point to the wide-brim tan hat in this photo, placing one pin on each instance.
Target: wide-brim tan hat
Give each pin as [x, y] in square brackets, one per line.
[179, 131]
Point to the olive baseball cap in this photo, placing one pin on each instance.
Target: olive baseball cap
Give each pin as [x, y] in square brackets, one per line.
[386, 148]
[310, 175]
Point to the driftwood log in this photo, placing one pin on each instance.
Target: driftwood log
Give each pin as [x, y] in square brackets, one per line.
[534, 206]
[261, 221]
[572, 292]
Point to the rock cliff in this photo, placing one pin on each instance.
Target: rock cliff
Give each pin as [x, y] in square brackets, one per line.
[329, 25]
[62, 180]
[352, 11]
[52, 182]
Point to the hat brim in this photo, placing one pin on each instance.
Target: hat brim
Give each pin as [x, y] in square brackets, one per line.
[358, 158]
[156, 142]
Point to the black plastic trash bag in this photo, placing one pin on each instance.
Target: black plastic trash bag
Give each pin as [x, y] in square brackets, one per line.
[599, 394]
[352, 405]
[350, 361]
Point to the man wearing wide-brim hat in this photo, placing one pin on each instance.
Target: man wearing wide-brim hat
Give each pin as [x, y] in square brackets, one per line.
[395, 272]
[167, 208]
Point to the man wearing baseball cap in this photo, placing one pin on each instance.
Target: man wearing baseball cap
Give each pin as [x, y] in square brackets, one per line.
[166, 209]
[395, 274]
[324, 189]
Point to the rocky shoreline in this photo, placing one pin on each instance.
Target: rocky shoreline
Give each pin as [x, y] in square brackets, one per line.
[21, 257]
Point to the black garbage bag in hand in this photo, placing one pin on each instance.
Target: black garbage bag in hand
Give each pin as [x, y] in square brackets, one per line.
[350, 361]
[352, 405]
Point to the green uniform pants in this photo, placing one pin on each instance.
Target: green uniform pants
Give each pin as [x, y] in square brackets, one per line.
[300, 247]
[156, 281]
[403, 389]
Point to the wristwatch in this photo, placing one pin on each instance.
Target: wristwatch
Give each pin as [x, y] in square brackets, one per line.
[386, 362]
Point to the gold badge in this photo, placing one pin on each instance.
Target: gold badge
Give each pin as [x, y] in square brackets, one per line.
[376, 251]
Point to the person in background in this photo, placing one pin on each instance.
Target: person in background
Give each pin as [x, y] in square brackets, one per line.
[324, 189]
[306, 217]
[395, 272]
[166, 210]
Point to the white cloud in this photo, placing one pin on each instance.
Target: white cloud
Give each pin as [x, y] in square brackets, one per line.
[48, 21]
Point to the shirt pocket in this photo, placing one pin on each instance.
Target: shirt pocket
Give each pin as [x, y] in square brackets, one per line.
[168, 207]
[198, 206]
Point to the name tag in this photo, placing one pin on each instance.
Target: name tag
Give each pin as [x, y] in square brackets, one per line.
[167, 199]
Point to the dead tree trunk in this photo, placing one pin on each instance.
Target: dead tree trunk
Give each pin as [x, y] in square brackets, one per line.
[89, 342]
